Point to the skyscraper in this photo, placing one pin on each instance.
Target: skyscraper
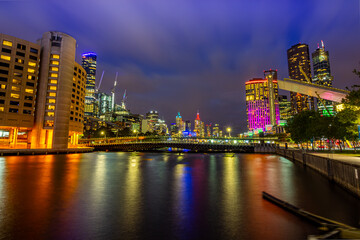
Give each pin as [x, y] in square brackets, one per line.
[299, 55]
[180, 123]
[258, 103]
[89, 64]
[284, 107]
[199, 127]
[322, 75]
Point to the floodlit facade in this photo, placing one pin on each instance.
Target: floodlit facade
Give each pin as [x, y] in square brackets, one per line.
[258, 104]
[61, 94]
[284, 107]
[299, 55]
[19, 70]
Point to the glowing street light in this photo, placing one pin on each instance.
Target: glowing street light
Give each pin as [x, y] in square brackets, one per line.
[103, 133]
[229, 131]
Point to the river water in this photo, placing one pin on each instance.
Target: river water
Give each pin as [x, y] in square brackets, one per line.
[117, 195]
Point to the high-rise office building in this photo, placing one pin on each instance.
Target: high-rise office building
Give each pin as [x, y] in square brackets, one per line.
[180, 123]
[61, 93]
[89, 64]
[271, 72]
[322, 75]
[19, 69]
[104, 101]
[258, 103]
[198, 126]
[299, 55]
[216, 130]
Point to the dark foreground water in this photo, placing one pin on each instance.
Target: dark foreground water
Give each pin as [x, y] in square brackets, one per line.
[162, 196]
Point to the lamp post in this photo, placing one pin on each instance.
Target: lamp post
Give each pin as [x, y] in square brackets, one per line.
[229, 131]
[135, 133]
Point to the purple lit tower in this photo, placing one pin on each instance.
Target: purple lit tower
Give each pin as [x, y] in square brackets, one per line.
[262, 111]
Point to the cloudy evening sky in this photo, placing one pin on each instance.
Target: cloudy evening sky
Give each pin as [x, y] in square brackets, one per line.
[185, 55]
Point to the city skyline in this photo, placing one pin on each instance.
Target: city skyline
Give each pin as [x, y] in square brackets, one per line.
[204, 53]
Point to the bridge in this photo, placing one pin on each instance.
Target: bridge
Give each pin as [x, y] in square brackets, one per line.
[182, 143]
[313, 90]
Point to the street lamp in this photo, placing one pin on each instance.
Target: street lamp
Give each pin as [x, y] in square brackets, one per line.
[103, 133]
[135, 132]
[228, 130]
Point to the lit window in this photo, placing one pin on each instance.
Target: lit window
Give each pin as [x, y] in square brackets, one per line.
[7, 43]
[32, 64]
[55, 69]
[52, 81]
[15, 88]
[51, 100]
[14, 95]
[30, 70]
[56, 56]
[49, 123]
[19, 60]
[55, 62]
[1, 109]
[53, 75]
[52, 88]
[15, 81]
[5, 57]
[2, 86]
[51, 107]
[50, 114]
[52, 94]
[29, 90]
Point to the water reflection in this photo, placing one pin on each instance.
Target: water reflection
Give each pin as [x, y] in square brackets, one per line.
[161, 196]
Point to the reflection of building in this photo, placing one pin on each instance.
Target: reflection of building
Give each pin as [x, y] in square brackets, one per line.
[89, 64]
[299, 55]
[322, 76]
[19, 68]
[258, 104]
[61, 93]
[284, 107]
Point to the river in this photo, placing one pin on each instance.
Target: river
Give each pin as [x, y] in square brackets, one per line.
[117, 195]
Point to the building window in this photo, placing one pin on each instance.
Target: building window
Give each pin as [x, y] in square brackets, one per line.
[50, 100]
[54, 75]
[7, 43]
[55, 56]
[33, 57]
[30, 84]
[14, 95]
[16, 81]
[13, 110]
[53, 88]
[5, 72]
[21, 54]
[26, 111]
[19, 67]
[27, 104]
[30, 70]
[52, 94]
[19, 60]
[29, 98]
[21, 47]
[15, 88]
[1, 109]
[2, 86]
[5, 50]
[54, 62]
[15, 103]
[49, 123]
[4, 64]
[52, 81]
[2, 94]
[4, 57]
[32, 64]
[51, 107]
[33, 50]
[29, 90]
[50, 114]
[3, 79]
[2, 101]
[31, 77]
[54, 69]
[18, 75]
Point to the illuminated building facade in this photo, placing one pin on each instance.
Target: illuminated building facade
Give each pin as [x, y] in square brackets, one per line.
[216, 130]
[299, 55]
[208, 130]
[89, 64]
[322, 75]
[104, 101]
[258, 103]
[19, 69]
[199, 126]
[180, 123]
[61, 94]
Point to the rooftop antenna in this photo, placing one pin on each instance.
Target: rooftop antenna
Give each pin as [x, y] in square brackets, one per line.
[322, 44]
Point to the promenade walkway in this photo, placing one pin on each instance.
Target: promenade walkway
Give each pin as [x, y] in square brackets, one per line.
[340, 157]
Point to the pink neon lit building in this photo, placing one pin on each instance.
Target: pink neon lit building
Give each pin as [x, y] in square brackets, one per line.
[257, 103]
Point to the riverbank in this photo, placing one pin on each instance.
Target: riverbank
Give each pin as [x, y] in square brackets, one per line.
[17, 152]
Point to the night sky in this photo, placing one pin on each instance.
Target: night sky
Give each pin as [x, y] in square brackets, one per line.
[189, 55]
